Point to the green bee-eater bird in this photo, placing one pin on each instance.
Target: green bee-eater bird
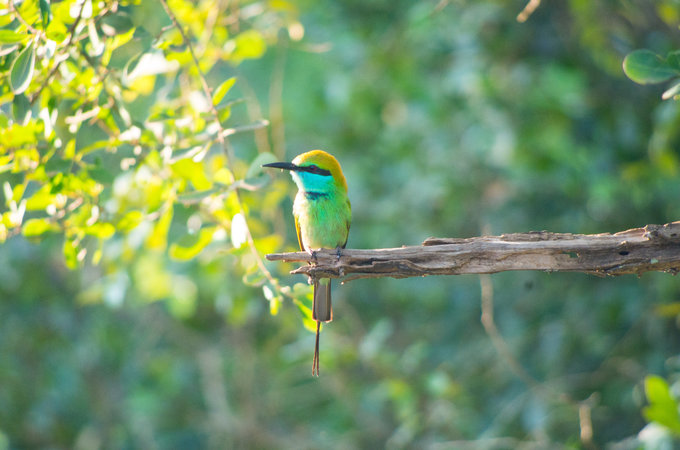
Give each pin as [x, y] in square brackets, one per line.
[322, 217]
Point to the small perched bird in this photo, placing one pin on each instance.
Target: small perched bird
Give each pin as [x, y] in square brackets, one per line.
[322, 217]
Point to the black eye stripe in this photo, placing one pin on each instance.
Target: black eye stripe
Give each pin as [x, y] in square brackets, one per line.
[315, 170]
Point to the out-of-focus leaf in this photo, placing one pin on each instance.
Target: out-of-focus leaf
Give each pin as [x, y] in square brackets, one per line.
[130, 221]
[21, 109]
[222, 90]
[182, 301]
[11, 37]
[6, 49]
[158, 239]
[249, 44]
[663, 408]
[21, 72]
[41, 199]
[71, 254]
[193, 172]
[646, 67]
[102, 230]
[256, 168]
[117, 23]
[45, 12]
[223, 176]
[673, 59]
[132, 64]
[56, 31]
[191, 245]
[37, 227]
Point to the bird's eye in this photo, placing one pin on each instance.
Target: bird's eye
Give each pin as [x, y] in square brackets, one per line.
[313, 168]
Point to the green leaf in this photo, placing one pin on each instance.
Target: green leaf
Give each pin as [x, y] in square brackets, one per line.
[37, 227]
[249, 44]
[222, 90]
[673, 59]
[255, 167]
[45, 12]
[6, 49]
[132, 64]
[71, 254]
[223, 176]
[646, 67]
[191, 245]
[21, 108]
[663, 409]
[158, 239]
[117, 23]
[21, 72]
[11, 37]
[192, 171]
[657, 390]
[102, 230]
[130, 221]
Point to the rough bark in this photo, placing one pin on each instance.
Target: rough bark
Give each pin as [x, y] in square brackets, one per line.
[651, 248]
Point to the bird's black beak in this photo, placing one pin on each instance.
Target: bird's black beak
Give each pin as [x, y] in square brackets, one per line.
[282, 165]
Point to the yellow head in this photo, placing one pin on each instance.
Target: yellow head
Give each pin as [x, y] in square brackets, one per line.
[324, 161]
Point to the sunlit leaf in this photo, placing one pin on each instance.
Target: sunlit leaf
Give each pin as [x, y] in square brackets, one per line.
[158, 239]
[130, 221]
[102, 230]
[12, 37]
[21, 72]
[70, 254]
[223, 89]
[192, 171]
[249, 44]
[223, 176]
[37, 227]
[57, 31]
[662, 408]
[191, 245]
[646, 67]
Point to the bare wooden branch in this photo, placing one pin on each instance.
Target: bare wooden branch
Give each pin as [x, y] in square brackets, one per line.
[652, 248]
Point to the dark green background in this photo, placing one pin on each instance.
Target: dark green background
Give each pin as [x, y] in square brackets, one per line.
[450, 119]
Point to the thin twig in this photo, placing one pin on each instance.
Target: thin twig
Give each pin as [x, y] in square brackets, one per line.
[59, 60]
[226, 147]
[528, 10]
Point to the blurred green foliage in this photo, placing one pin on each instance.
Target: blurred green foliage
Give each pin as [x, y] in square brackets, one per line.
[137, 310]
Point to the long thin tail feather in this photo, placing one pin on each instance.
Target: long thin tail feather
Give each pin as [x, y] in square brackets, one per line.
[315, 362]
[322, 311]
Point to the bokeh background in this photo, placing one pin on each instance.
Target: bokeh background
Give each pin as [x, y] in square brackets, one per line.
[450, 119]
